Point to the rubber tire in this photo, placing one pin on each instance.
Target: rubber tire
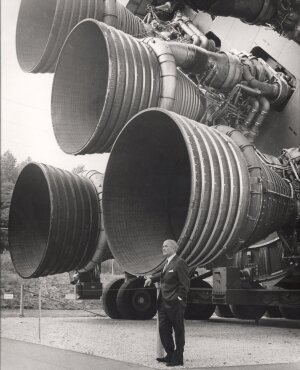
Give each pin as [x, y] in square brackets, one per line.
[273, 312]
[109, 298]
[136, 302]
[245, 312]
[196, 311]
[290, 313]
[223, 310]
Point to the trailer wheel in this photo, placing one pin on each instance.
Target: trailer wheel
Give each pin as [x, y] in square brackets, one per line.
[291, 313]
[109, 299]
[136, 302]
[273, 312]
[223, 310]
[198, 311]
[245, 312]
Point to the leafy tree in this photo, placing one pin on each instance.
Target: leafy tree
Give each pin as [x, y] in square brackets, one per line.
[77, 170]
[6, 193]
[21, 165]
[3, 240]
[9, 173]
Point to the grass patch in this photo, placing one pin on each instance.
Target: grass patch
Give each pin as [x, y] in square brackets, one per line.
[53, 286]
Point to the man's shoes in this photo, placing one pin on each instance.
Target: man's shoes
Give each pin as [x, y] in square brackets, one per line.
[175, 363]
[177, 359]
[167, 358]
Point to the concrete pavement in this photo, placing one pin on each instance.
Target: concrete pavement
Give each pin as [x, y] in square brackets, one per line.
[19, 355]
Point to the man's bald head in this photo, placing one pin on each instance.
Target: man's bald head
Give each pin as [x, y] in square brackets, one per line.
[169, 247]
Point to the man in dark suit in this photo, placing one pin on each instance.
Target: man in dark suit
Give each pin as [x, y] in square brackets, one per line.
[172, 299]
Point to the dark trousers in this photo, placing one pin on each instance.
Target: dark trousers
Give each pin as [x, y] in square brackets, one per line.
[171, 317]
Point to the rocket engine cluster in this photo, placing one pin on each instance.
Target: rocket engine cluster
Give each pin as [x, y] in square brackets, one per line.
[180, 117]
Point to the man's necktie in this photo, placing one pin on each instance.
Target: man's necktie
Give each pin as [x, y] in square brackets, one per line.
[165, 265]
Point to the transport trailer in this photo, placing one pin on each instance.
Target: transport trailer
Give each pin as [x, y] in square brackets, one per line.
[197, 103]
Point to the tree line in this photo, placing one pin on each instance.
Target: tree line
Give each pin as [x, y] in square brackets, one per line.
[10, 170]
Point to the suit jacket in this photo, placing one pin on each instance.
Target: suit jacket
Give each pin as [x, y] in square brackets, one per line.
[175, 282]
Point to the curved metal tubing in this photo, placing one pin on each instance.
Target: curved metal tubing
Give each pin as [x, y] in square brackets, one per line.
[43, 27]
[54, 221]
[103, 78]
[102, 251]
[129, 23]
[171, 177]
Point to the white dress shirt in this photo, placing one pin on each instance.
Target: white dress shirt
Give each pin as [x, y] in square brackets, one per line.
[169, 259]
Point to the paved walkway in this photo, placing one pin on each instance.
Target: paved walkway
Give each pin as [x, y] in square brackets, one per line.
[18, 355]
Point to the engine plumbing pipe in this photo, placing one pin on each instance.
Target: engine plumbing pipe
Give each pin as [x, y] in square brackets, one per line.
[269, 90]
[264, 108]
[260, 76]
[171, 177]
[252, 113]
[55, 221]
[116, 77]
[203, 39]
[194, 59]
[190, 29]
[43, 26]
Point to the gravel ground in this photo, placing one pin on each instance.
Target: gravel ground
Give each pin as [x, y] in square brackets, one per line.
[216, 342]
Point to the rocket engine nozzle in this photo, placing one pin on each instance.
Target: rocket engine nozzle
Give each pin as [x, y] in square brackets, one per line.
[104, 77]
[55, 222]
[169, 177]
[43, 27]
